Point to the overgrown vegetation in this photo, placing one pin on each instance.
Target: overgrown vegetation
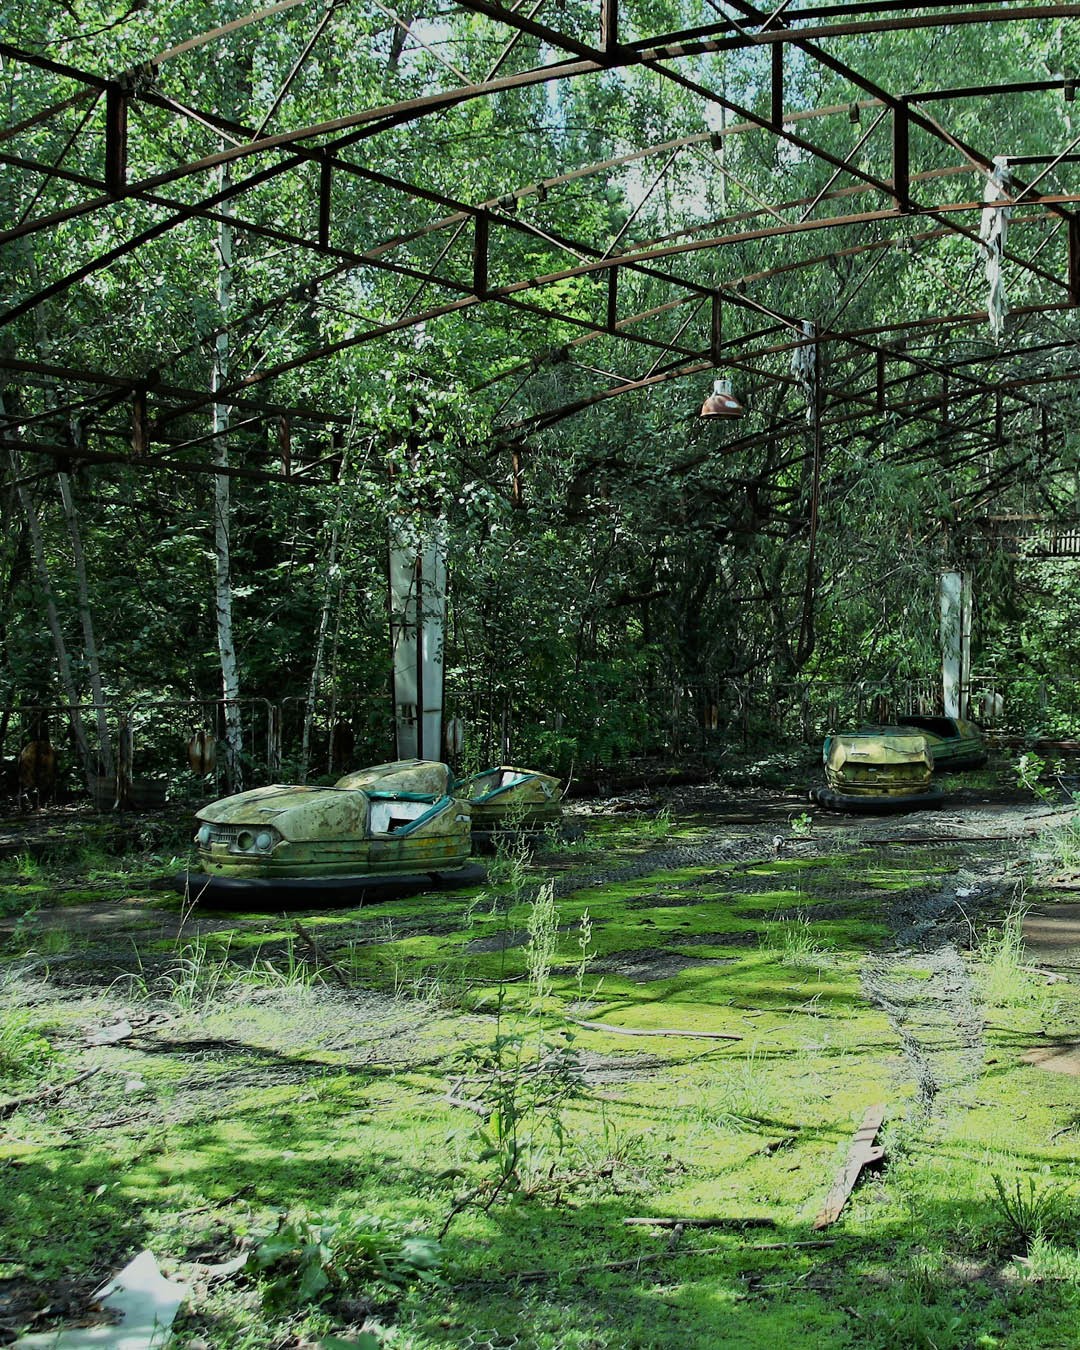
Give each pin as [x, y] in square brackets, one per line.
[332, 1131]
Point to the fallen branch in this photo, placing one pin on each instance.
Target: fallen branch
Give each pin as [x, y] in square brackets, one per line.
[1050, 976]
[645, 1220]
[860, 1154]
[313, 947]
[478, 1107]
[659, 1031]
[11, 1104]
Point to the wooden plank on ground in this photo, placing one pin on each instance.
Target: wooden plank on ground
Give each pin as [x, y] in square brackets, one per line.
[861, 1152]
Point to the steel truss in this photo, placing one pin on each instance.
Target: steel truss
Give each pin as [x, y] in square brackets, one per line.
[141, 418]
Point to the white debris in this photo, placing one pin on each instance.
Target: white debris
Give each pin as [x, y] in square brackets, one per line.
[110, 1035]
[147, 1304]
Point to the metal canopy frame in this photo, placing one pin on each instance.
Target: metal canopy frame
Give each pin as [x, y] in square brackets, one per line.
[874, 379]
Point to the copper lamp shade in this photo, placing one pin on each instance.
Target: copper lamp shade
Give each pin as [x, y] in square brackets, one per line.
[721, 402]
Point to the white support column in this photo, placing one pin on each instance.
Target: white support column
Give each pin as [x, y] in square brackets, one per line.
[417, 633]
[965, 645]
[955, 641]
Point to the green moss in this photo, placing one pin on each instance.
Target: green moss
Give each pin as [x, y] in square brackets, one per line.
[330, 1099]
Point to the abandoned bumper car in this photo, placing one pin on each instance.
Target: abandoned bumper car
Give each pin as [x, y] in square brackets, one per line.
[400, 825]
[509, 803]
[885, 769]
[878, 772]
[955, 743]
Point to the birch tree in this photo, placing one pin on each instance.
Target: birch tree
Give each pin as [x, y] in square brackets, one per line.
[219, 373]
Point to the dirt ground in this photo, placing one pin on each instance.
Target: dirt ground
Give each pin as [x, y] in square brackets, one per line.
[242, 1065]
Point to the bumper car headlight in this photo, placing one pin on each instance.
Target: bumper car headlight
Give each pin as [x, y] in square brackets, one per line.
[264, 841]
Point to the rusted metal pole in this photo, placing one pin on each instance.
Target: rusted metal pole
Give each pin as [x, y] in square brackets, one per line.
[116, 102]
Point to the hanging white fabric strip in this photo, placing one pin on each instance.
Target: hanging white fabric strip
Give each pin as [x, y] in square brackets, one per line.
[993, 230]
[802, 367]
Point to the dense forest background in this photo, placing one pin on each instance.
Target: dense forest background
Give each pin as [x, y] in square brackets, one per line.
[624, 575]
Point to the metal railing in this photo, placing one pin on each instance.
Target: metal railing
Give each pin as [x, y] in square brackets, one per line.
[151, 736]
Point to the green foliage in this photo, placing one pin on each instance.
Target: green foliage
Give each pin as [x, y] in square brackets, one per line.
[24, 1051]
[1035, 1211]
[308, 1262]
[1060, 847]
[1029, 772]
[1003, 979]
[655, 826]
[795, 944]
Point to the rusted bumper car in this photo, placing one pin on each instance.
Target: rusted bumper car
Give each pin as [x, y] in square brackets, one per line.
[878, 772]
[512, 804]
[282, 842]
[955, 743]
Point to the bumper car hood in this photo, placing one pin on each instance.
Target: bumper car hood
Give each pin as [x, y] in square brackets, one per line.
[298, 813]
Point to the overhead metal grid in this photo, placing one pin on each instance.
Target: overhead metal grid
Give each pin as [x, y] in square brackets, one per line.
[143, 418]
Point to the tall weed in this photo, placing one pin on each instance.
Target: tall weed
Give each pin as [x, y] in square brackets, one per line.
[1000, 973]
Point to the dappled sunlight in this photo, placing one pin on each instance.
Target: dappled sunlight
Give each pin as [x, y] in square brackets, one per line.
[721, 1035]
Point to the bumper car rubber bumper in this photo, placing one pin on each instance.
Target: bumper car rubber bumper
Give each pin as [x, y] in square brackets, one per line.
[860, 804]
[260, 891]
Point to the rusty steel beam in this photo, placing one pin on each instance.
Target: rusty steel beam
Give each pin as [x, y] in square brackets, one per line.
[144, 463]
[400, 269]
[480, 255]
[552, 36]
[121, 250]
[874, 399]
[6, 133]
[777, 88]
[1074, 261]
[56, 374]
[504, 293]
[296, 68]
[884, 187]
[212, 34]
[116, 133]
[547, 312]
[612, 320]
[369, 121]
[619, 261]
[408, 107]
[901, 180]
[721, 37]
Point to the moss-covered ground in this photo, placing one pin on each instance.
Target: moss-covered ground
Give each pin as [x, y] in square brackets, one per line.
[424, 1061]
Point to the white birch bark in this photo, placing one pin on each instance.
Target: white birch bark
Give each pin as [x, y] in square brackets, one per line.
[86, 618]
[230, 674]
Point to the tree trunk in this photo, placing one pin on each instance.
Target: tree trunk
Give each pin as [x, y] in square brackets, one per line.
[230, 674]
[52, 616]
[89, 640]
[320, 644]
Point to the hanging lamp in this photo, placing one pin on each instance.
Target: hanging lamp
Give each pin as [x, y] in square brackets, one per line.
[721, 402]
